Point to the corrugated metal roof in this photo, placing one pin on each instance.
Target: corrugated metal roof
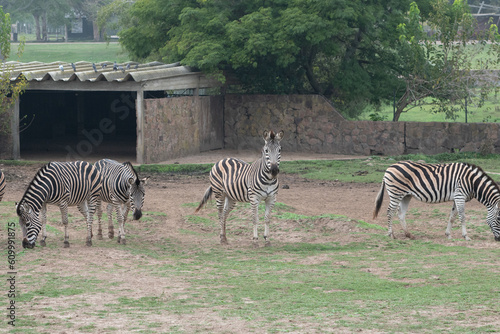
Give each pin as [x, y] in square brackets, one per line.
[38, 71]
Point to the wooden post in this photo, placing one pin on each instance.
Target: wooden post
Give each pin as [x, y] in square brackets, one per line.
[139, 108]
[14, 126]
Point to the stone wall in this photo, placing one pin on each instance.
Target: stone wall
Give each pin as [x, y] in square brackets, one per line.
[175, 127]
[308, 121]
[311, 124]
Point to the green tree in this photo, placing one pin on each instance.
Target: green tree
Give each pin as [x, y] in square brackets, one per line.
[345, 50]
[447, 67]
[9, 91]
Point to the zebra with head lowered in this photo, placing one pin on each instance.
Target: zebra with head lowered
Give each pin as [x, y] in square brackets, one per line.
[123, 190]
[63, 184]
[437, 183]
[233, 180]
[2, 185]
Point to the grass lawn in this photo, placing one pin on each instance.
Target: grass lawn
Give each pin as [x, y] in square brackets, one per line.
[489, 112]
[70, 52]
[326, 273]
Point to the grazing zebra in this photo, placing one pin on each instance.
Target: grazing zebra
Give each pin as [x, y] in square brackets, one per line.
[122, 188]
[233, 180]
[2, 185]
[63, 184]
[437, 183]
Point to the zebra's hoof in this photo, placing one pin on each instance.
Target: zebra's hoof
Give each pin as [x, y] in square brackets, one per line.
[111, 235]
[88, 243]
[66, 244]
[123, 241]
[119, 239]
[42, 243]
[223, 240]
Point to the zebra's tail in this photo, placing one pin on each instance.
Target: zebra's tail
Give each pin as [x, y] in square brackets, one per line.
[205, 199]
[378, 201]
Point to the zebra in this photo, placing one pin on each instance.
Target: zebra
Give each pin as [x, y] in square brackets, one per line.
[437, 183]
[63, 184]
[2, 185]
[123, 190]
[233, 180]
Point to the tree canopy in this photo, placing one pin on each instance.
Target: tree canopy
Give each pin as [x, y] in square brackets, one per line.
[352, 52]
[9, 91]
[450, 65]
[345, 50]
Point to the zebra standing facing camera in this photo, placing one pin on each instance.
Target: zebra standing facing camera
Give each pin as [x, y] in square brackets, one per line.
[63, 184]
[233, 180]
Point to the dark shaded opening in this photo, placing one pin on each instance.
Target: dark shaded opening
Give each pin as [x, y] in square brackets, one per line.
[78, 125]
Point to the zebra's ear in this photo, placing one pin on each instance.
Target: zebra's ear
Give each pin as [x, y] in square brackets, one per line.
[279, 135]
[23, 208]
[266, 135]
[145, 180]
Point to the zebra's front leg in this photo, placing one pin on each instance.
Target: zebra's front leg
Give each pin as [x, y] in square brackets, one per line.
[124, 212]
[43, 219]
[453, 215]
[267, 217]
[111, 230]
[126, 209]
[88, 213]
[460, 206]
[99, 221]
[121, 223]
[64, 215]
[255, 219]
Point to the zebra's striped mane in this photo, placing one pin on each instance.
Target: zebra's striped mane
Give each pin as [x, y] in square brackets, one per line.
[488, 178]
[29, 187]
[137, 180]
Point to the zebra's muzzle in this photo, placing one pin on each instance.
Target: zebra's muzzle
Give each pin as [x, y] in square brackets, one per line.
[274, 170]
[137, 214]
[27, 244]
[497, 238]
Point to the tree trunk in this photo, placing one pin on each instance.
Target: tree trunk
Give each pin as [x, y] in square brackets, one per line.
[398, 112]
[97, 32]
[37, 27]
[45, 36]
[403, 102]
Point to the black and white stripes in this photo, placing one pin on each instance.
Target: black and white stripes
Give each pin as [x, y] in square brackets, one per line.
[63, 184]
[122, 188]
[435, 183]
[2, 185]
[233, 180]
